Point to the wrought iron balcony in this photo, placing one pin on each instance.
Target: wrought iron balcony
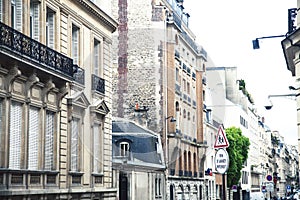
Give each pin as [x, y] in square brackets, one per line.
[78, 74]
[98, 84]
[19, 45]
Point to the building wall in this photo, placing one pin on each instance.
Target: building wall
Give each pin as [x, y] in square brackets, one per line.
[67, 97]
[138, 60]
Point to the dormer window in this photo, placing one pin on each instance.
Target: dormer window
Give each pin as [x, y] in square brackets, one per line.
[124, 149]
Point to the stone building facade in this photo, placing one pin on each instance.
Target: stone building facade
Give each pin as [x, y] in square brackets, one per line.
[157, 80]
[55, 100]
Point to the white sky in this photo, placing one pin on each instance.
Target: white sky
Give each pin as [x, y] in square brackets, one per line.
[226, 28]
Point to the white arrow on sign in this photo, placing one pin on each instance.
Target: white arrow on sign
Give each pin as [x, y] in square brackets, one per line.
[221, 139]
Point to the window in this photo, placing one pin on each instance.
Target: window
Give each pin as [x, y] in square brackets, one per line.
[1, 10]
[49, 140]
[177, 75]
[34, 20]
[124, 149]
[184, 85]
[75, 44]
[16, 14]
[75, 145]
[33, 141]
[96, 57]
[97, 148]
[158, 185]
[50, 28]
[15, 127]
[188, 86]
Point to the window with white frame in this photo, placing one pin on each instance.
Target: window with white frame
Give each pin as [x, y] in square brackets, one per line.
[34, 20]
[50, 28]
[75, 44]
[49, 140]
[75, 129]
[158, 187]
[16, 14]
[97, 50]
[15, 134]
[33, 138]
[124, 149]
[97, 148]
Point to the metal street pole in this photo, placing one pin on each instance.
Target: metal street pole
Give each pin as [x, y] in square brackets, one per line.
[224, 186]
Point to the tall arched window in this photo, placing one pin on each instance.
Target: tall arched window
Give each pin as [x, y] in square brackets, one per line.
[185, 163]
[190, 163]
[180, 163]
[195, 165]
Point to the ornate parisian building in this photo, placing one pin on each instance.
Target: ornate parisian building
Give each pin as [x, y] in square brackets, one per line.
[55, 99]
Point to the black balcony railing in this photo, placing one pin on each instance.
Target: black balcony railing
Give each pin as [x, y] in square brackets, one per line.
[98, 84]
[78, 74]
[24, 46]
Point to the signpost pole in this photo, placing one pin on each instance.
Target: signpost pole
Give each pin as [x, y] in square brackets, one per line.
[224, 186]
[221, 157]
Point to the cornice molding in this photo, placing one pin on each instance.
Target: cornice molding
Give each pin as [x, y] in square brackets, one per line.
[100, 14]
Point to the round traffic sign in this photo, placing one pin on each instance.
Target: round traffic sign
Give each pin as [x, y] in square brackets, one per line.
[269, 178]
[221, 161]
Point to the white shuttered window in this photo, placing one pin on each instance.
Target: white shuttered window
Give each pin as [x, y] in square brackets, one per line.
[34, 20]
[96, 57]
[49, 139]
[15, 131]
[16, 14]
[50, 28]
[33, 135]
[74, 144]
[97, 150]
[1, 10]
[75, 44]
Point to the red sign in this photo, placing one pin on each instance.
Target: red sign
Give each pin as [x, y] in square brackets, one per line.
[221, 139]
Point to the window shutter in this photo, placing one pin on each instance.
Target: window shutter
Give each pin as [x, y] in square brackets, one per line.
[75, 44]
[36, 18]
[1, 10]
[51, 29]
[96, 148]
[15, 135]
[74, 145]
[19, 14]
[96, 57]
[33, 143]
[49, 135]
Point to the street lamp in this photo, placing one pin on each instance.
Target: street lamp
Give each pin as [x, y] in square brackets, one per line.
[269, 107]
[255, 43]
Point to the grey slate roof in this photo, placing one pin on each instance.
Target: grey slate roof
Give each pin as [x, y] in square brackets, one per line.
[145, 145]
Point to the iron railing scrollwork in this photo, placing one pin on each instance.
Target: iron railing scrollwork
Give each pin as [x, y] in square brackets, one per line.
[22, 45]
[98, 84]
[78, 74]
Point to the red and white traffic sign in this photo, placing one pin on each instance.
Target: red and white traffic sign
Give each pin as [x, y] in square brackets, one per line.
[221, 139]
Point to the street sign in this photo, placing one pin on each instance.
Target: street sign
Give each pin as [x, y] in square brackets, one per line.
[221, 139]
[263, 189]
[288, 188]
[270, 187]
[234, 188]
[269, 177]
[221, 161]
